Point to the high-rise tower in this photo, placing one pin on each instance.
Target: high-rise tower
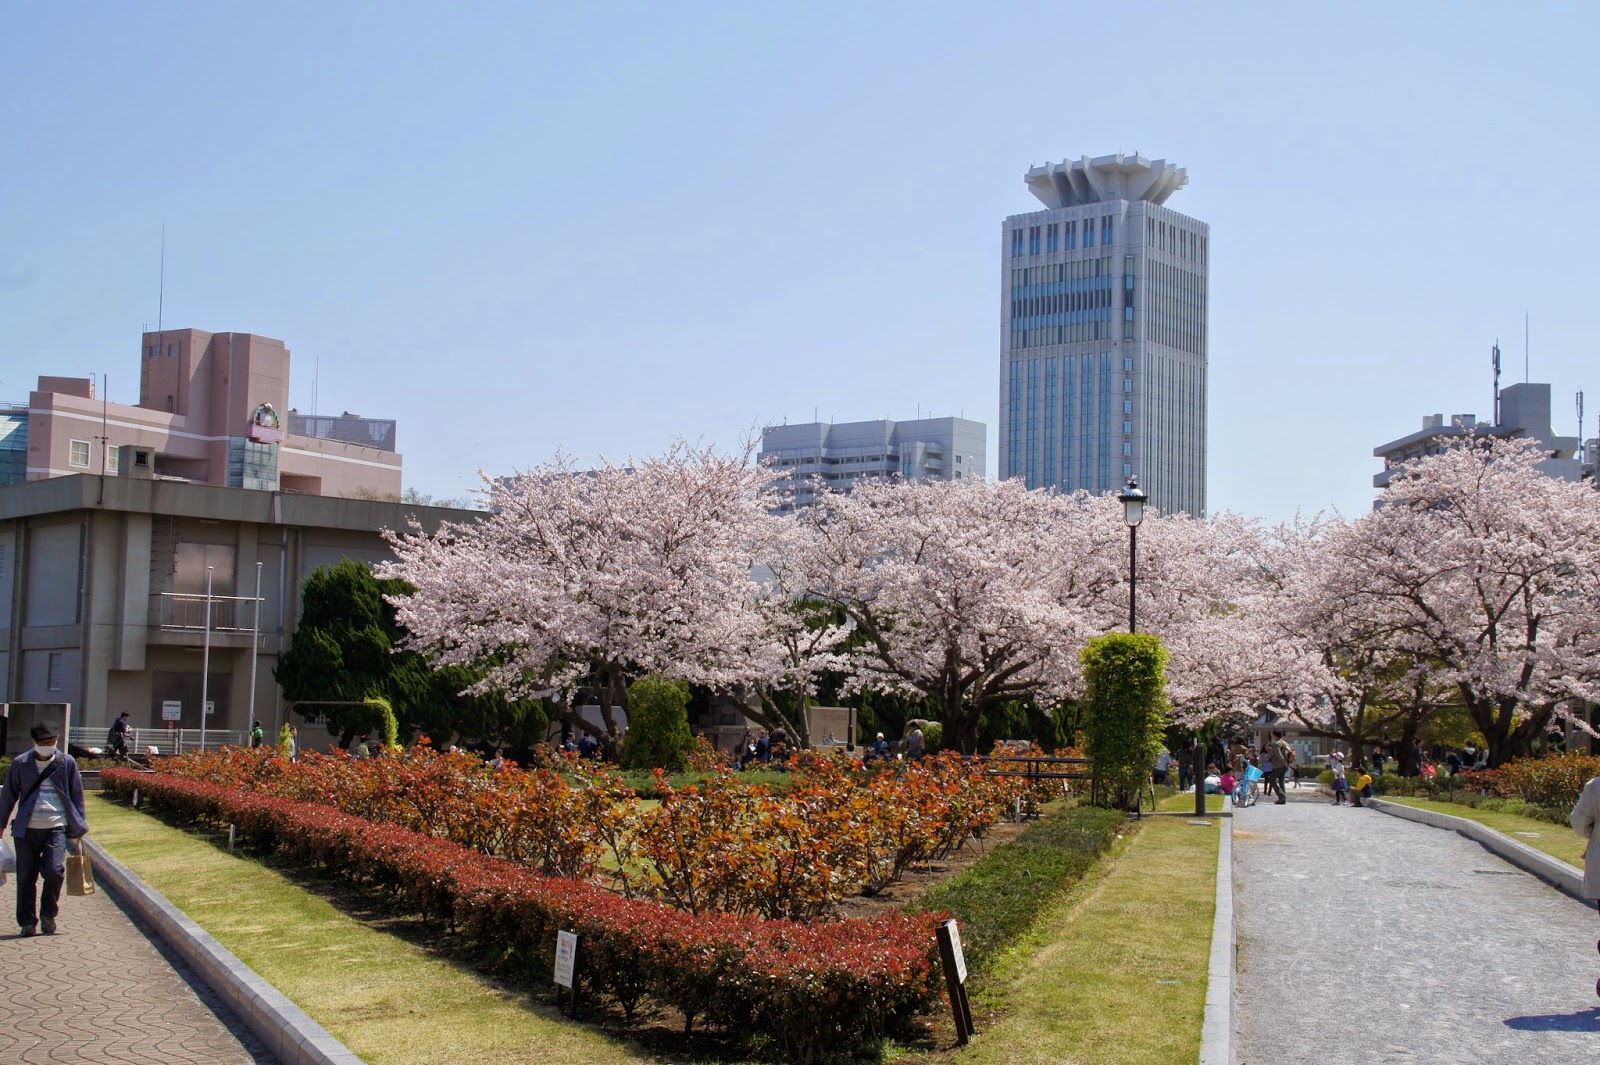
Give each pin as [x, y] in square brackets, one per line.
[1103, 338]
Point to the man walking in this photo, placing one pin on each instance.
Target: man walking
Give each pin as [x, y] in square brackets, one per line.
[46, 791]
[1282, 757]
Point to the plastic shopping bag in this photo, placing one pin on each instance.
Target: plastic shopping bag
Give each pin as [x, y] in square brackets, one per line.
[8, 857]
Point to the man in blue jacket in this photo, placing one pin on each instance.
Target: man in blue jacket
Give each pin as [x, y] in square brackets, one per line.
[46, 790]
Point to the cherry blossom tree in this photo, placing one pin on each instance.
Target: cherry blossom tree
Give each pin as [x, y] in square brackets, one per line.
[580, 580]
[1355, 685]
[969, 593]
[1484, 569]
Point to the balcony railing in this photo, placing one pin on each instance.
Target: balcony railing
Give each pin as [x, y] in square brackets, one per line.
[229, 613]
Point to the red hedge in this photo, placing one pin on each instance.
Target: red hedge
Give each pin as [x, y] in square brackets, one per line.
[818, 988]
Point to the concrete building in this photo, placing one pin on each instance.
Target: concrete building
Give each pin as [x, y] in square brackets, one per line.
[103, 583]
[208, 413]
[1524, 413]
[819, 455]
[1103, 333]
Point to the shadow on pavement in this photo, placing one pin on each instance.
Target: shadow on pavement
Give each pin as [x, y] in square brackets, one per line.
[1582, 1021]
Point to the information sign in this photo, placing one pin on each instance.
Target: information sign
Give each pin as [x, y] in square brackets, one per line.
[172, 710]
[566, 957]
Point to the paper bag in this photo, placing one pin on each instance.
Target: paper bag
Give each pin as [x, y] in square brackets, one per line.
[80, 876]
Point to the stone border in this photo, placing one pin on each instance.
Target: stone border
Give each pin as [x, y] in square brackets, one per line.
[293, 1037]
[1553, 871]
[1216, 1034]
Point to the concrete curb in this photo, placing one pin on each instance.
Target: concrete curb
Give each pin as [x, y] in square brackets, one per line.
[1216, 1034]
[293, 1037]
[1558, 874]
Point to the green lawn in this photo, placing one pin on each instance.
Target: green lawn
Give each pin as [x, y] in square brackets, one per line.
[1180, 802]
[389, 1000]
[1116, 971]
[1558, 842]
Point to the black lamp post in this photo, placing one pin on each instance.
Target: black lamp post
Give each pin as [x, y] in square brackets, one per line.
[1133, 513]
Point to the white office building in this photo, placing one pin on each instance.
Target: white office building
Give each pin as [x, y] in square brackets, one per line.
[1103, 333]
[821, 456]
[1524, 415]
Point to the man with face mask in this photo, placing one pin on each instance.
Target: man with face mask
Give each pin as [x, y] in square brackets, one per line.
[46, 790]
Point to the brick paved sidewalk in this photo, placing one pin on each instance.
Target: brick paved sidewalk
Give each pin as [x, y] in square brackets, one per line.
[101, 991]
[1367, 938]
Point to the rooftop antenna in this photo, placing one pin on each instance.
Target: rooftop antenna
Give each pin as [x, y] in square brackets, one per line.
[1580, 423]
[1495, 359]
[161, 289]
[1525, 377]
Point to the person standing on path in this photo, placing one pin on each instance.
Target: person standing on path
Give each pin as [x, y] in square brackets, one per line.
[45, 789]
[1586, 822]
[1282, 759]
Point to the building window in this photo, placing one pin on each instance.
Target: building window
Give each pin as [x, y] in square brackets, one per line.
[1033, 240]
[1127, 469]
[1127, 406]
[1053, 237]
[1127, 447]
[150, 351]
[78, 454]
[52, 672]
[1127, 427]
[172, 351]
[113, 458]
[1016, 243]
[1127, 363]
[1107, 230]
[1127, 384]
[1088, 232]
[1072, 235]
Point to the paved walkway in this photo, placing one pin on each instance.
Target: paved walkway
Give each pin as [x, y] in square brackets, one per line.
[1365, 938]
[100, 991]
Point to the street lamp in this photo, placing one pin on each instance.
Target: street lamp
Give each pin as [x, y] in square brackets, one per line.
[1133, 513]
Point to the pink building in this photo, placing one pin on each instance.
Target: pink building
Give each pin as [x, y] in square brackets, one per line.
[212, 410]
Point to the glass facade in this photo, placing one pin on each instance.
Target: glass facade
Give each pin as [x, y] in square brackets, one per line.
[1119, 317]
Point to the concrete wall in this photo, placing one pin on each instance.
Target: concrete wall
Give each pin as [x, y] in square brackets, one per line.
[122, 654]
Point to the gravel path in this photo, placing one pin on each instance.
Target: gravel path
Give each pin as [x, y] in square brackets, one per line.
[1365, 938]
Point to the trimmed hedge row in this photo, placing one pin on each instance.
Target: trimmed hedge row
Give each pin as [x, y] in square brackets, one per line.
[818, 988]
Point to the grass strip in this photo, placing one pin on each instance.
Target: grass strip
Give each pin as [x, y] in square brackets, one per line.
[1558, 842]
[1180, 802]
[1001, 894]
[388, 1000]
[1117, 973]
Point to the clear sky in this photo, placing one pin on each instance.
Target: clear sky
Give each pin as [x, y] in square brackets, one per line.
[519, 228]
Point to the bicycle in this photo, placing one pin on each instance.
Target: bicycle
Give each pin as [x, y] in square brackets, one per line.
[1248, 790]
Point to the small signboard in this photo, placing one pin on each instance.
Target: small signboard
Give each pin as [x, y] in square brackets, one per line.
[211, 707]
[172, 710]
[955, 949]
[955, 980]
[566, 957]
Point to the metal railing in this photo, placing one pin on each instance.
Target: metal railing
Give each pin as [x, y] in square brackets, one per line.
[183, 740]
[182, 610]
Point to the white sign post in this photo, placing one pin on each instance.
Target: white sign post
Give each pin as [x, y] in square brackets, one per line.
[955, 978]
[172, 710]
[566, 970]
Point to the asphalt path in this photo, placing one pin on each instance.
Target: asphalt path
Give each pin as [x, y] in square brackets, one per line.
[1366, 938]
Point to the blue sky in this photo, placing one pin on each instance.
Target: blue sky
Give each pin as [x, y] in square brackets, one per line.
[521, 228]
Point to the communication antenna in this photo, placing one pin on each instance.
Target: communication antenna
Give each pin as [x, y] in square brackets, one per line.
[161, 285]
[1495, 361]
[1580, 423]
[1525, 377]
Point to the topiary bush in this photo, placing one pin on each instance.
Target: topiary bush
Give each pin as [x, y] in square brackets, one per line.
[1126, 708]
[658, 725]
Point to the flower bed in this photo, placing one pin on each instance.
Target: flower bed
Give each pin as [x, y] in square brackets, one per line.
[720, 845]
[819, 988]
[1547, 782]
